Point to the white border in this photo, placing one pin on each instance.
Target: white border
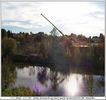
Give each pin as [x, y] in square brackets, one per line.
[0, 49]
[70, 98]
[52, 0]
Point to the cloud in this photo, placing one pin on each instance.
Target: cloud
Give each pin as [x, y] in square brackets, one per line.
[77, 17]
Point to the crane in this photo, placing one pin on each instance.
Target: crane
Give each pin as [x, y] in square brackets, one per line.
[68, 42]
[55, 26]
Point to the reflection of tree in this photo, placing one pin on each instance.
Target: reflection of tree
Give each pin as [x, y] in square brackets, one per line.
[56, 78]
[31, 71]
[8, 73]
[89, 84]
[42, 75]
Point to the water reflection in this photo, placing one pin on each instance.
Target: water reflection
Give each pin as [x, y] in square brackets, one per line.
[89, 84]
[73, 85]
[31, 70]
[42, 76]
[56, 78]
[48, 82]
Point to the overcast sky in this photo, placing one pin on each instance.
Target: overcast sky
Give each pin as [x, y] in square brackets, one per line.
[87, 18]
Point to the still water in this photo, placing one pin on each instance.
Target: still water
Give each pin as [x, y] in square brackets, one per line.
[51, 83]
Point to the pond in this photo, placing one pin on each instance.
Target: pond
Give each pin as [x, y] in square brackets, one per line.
[51, 83]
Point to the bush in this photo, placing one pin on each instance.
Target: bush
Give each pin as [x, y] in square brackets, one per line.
[8, 46]
[21, 91]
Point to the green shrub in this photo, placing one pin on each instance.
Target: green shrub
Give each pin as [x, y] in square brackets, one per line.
[21, 91]
[8, 46]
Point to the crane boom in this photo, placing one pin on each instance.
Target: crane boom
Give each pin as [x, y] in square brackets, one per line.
[53, 24]
[68, 39]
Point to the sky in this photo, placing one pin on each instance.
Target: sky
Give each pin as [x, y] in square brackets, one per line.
[86, 18]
